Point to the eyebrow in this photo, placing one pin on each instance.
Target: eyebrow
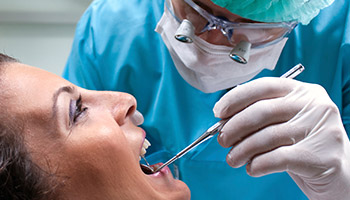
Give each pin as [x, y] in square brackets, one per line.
[67, 89]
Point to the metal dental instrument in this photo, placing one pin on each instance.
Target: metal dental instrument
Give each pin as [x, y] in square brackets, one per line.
[143, 157]
[295, 71]
[216, 128]
[207, 134]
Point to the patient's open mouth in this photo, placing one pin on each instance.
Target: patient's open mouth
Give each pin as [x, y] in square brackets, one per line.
[147, 169]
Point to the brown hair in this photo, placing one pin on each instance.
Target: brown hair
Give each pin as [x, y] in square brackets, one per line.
[20, 177]
[5, 59]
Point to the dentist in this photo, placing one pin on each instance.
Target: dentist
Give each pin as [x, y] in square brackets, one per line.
[180, 59]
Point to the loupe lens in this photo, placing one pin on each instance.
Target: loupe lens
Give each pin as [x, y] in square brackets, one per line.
[185, 32]
[241, 52]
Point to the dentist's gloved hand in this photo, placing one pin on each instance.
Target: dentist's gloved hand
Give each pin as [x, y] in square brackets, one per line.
[280, 124]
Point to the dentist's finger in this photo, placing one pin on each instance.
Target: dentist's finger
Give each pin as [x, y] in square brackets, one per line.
[287, 158]
[246, 94]
[254, 118]
[264, 141]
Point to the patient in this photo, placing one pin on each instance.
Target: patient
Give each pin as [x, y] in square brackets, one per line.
[59, 141]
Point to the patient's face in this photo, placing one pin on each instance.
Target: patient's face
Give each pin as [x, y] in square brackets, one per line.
[85, 137]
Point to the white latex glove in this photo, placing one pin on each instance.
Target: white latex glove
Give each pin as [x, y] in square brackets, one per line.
[280, 124]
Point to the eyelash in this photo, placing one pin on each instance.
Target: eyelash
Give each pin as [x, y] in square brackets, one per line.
[78, 110]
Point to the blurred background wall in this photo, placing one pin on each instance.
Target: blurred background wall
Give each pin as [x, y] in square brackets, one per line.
[40, 32]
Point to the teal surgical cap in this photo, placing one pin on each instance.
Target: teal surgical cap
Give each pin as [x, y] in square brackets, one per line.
[302, 11]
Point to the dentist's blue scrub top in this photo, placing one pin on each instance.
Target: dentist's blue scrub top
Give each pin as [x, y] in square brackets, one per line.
[116, 48]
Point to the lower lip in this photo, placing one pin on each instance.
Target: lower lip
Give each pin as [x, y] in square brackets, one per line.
[165, 170]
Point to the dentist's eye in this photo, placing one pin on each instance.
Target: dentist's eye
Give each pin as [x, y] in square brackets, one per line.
[76, 110]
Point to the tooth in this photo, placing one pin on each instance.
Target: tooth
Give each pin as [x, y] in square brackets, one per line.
[147, 142]
[145, 145]
[143, 151]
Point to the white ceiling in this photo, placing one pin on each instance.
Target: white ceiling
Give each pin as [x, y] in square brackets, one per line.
[42, 11]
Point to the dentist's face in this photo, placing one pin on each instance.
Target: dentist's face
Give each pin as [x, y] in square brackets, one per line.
[87, 138]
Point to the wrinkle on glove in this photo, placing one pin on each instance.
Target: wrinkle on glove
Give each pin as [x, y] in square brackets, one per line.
[302, 11]
[281, 125]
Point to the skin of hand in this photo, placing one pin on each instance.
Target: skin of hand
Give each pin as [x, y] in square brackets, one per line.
[279, 124]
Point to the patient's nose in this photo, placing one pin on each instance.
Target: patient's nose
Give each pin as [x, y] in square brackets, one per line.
[122, 106]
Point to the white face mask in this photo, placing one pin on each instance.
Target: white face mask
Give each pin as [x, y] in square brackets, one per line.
[208, 67]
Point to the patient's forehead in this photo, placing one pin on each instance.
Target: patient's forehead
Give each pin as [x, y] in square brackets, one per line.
[26, 81]
[28, 91]
[23, 83]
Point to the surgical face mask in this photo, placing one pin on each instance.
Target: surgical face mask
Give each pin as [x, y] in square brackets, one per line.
[208, 67]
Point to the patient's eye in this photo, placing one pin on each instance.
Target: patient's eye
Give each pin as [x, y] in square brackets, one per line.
[76, 110]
